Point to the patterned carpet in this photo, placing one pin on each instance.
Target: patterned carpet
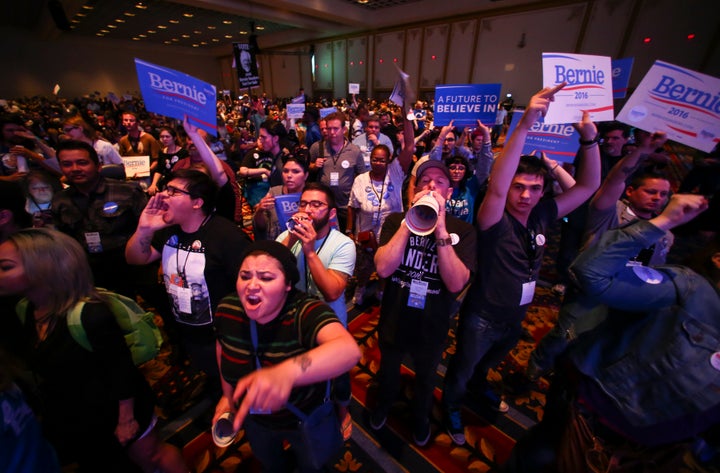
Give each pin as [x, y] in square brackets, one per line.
[490, 436]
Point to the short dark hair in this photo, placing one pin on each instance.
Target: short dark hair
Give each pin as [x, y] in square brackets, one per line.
[325, 189]
[639, 178]
[300, 156]
[200, 186]
[615, 125]
[273, 127]
[69, 145]
[336, 116]
[533, 166]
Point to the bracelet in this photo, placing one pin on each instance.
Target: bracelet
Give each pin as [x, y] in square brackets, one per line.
[552, 171]
[589, 142]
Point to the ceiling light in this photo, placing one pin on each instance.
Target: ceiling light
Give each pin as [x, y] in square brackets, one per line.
[140, 6]
[243, 32]
[81, 15]
[227, 22]
[152, 31]
[105, 31]
[196, 45]
[112, 27]
[167, 42]
[197, 31]
[162, 27]
[363, 2]
[204, 43]
[174, 40]
[74, 20]
[211, 27]
[142, 36]
[88, 7]
[119, 20]
[228, 36]
[136, 38]
[127, 13]
[215, 40]
[188, 15]
[186, 36]
[259, 27]
[99, 34]
[174, 22]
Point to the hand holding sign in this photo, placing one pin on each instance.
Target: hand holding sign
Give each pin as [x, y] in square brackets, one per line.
[586, 127]
[539, 104]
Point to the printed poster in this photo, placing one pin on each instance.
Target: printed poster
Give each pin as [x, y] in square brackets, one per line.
[559, 141]
[466, 104]
[176, 94]
[683, 103]
[589, 87]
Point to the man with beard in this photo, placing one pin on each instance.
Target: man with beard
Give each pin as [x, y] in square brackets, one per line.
[200, 256]
[99, 213]
[325, 259]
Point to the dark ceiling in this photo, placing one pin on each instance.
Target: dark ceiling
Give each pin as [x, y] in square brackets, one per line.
[209, 23]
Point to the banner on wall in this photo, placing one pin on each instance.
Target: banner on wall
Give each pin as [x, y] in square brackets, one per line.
[589, 87]
[683, 103]
[621, 69]
[246, 65]
[559, 141]
[176, 94]
[466, 104]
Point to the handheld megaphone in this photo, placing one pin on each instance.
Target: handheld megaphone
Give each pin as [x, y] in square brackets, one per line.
[422, 217]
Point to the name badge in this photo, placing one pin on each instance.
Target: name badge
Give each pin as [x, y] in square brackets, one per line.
[334, 179]
[528, 292]
[92, 239]
[418, 294]
[182, 296]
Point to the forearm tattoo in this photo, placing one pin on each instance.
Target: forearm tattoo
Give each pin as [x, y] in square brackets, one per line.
[304, 361]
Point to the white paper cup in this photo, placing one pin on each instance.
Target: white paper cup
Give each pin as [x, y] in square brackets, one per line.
[223, 433]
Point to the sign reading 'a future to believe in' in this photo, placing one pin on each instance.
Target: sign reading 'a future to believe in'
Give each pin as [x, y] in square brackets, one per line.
[466, 104]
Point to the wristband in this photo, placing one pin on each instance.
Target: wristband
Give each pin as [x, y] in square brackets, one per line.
[589, 142]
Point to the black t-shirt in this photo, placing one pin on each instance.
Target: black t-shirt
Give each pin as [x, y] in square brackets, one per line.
[402, 324]
[509, 255]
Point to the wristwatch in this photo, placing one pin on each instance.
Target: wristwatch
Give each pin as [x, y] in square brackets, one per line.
[451, 240]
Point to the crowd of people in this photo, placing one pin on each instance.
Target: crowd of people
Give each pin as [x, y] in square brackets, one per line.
[257, 234]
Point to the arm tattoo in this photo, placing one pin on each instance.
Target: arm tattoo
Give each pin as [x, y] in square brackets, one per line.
[304, 361]
[145, 245]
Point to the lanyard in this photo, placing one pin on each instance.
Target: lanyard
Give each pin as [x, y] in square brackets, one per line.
[307, 272]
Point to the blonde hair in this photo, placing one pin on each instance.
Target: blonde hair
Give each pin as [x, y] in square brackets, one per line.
[58, 263]
[88, 131]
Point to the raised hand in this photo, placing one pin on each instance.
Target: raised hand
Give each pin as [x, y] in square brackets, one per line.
[539, 104]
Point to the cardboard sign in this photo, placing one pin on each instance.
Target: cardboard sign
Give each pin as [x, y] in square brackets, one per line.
[559, 141]
[589, 87]
[295, 110]
[353, 88]
[466, 104]
[683, 103]
[136, 166]
[286, 206]
[176, 94]
[621, 69]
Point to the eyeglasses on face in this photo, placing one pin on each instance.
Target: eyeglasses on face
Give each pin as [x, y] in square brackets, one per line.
[314, 204]
[172, 191]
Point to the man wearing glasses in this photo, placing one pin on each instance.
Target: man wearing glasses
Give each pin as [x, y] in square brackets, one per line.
[326, 259]
[200, 256]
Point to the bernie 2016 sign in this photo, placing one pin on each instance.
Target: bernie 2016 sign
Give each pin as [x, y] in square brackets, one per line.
[466, 104]
[176, 94]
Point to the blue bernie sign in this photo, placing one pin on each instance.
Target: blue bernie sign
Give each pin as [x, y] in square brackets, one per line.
[176, 94]
[466, 104]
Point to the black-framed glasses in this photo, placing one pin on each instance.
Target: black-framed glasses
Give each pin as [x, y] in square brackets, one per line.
[314, 204]
[172, 191]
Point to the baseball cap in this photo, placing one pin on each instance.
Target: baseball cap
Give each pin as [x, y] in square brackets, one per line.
[431, 163]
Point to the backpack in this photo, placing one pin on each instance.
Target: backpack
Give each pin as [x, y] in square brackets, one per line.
[142, 336]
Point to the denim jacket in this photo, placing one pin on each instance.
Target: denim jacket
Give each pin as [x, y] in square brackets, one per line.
[652, 356]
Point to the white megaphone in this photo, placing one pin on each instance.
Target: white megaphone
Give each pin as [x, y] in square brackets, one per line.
[422, 217]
